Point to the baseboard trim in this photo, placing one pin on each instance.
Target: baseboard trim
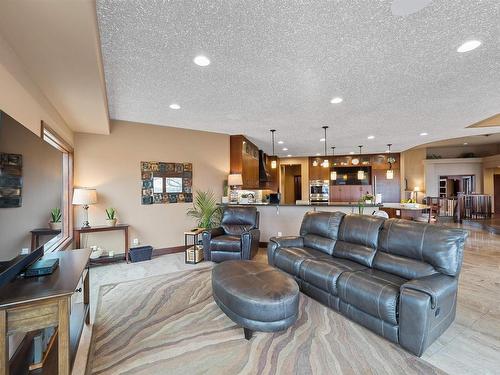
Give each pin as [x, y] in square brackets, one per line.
[167, 250]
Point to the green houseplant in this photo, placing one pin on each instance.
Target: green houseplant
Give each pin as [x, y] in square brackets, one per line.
[205, 210]
[111, 216]
[55, 219]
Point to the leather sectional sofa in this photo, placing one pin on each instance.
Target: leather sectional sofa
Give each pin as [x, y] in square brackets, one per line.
[396, 277]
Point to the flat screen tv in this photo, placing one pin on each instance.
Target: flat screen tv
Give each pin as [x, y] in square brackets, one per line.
[349, 176]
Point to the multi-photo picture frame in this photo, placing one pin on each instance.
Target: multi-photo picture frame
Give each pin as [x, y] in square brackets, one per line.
[163, 182]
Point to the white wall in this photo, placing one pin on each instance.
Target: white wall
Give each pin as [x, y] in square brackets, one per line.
[451, 167]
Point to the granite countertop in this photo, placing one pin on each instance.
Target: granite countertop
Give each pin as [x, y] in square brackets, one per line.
[330, 204]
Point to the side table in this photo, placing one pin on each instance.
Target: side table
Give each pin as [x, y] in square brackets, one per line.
[193, 253]
[102, 228]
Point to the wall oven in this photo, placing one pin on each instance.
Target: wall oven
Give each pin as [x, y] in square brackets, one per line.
[319, 191]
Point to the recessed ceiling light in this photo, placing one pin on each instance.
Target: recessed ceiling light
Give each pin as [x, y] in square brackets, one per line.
[465, 143]
[289, 155]
[371, 137]
[351, 153]
[387, 151]
[336, 100]
[318, 154]
[280, 142]
[175, 106]
[285, 149]
[201, 60]
[469, 46]
[322, 140]
[424, 133]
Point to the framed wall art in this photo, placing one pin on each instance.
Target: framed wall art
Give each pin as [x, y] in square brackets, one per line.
[11, 180]
[163, 183]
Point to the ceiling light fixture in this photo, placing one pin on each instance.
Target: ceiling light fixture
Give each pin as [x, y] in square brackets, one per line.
[326, 162]
[289, 155]
[175, 106]
[465, 143]
[285, 149]
[390, 173]
[336, 100]
[361, 173]
[280, 142]
[333, 174]
[273, 162]
[201, 60]
[469, 46]
[371, 137]
[424, 134]
[351, 152]
[322, 139]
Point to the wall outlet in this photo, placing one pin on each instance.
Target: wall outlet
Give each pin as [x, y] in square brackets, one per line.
[25, 251]
[135, 242]
[280, 234]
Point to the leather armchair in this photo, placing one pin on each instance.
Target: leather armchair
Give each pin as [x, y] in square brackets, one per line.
[237, 238]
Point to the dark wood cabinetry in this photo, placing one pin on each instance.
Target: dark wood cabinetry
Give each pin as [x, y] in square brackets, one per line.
[348, 193]
[316, 170]
[244, 157]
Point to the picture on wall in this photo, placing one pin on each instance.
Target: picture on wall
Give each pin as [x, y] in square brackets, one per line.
[11, 180]
[163, 182]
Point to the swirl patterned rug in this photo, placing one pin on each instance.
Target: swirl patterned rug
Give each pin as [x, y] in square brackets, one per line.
[170, 324]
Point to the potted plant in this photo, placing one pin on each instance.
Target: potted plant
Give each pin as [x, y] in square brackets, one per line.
[368, 198]
[225, 193]
[205, 210]
[111, 216]
[55, 219]
[243, 198]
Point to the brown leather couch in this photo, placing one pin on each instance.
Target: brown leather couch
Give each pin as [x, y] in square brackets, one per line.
[396, 277]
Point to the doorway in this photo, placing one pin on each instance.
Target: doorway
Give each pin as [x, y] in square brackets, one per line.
[496, 192]
[292, 183]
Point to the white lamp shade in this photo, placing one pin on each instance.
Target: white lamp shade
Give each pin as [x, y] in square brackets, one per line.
[389, 174]
[361, 175]
[333, 175]
[235, 180]
[416, 189]
[84, 196]
[273, 164]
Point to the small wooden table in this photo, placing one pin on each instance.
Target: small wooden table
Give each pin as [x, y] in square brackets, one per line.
[37, 233]
[102, 228]
[192, 259]
[29, 304]
[405, 210]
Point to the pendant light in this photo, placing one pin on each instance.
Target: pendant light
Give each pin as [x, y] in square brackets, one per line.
[273, 162]
[390, 173]
[361, 173]
[325, 163]
[333, 174]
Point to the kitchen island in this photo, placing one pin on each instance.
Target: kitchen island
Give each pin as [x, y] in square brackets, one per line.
[285, 219]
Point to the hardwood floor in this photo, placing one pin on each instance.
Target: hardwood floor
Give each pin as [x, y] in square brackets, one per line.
[470, 346]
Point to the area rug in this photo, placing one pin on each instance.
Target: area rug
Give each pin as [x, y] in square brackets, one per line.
[170, 325]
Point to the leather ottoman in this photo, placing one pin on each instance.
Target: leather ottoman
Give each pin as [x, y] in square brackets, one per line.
[256, 296]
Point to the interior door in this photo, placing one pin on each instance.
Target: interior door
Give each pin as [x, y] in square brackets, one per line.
[297, 187]
[496, 192]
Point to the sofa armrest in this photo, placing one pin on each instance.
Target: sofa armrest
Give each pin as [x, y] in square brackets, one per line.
[206, 236]
[276, 242]
[427, 306]
[250, 243]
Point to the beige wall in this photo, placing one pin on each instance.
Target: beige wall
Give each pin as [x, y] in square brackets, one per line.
[42, 186]
[111, 164]
[304, 170]
[412, 170]
[22, 99]
[289, 184]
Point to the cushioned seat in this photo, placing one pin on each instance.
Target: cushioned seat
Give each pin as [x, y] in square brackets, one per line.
[372, 291]
[289, 259]
[226, 242]
[324, 273]
[255, 295]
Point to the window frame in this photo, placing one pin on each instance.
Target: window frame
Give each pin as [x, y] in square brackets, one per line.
[50, 136]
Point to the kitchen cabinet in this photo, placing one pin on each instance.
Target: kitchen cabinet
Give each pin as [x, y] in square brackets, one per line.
[318, 172]
[244, 157]
[390, 189]
[348, 193]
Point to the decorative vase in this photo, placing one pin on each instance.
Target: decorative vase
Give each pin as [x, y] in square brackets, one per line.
[55, 226]
[225, 200]
[111, 222]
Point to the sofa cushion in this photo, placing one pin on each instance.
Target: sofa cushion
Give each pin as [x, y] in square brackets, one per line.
[226, 242]
[320, 230]
[372, 291]
[358, 237]
[439, 246]
[236, 220]
[289, 259]
[324, 273]
[401, 266]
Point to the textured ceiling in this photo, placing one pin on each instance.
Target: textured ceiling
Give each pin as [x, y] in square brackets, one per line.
[277, 64]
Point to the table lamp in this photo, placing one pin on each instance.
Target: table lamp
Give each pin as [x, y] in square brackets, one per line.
[85, 197]
[234, 181]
